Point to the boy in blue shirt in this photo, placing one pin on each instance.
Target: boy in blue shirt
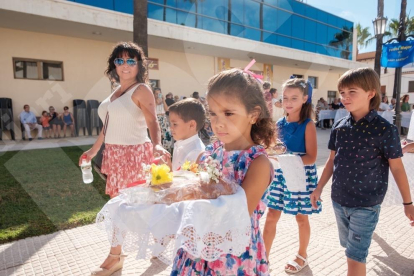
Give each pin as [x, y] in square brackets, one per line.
[364, 146]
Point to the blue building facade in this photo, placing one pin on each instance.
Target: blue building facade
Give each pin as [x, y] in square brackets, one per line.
[287, 23]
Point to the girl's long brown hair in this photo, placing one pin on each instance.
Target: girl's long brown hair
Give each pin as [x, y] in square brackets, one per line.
[246, 89]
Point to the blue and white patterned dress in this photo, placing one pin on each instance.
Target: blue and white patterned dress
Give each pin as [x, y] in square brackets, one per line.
[292, 134]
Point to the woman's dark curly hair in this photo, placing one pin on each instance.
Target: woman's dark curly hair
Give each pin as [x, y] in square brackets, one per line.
[133, 51]
[248, 91]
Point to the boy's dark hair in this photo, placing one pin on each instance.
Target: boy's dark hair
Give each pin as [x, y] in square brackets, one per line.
[44, 111]
[26, 105]
[156, 89]
[240, 85]
[266, 85]
[307, 111]
[364, 78]
[272, 91]
[190, 109]
[196, 95]
[65, 107]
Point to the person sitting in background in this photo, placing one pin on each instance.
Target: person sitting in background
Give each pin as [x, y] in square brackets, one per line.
[176, 98]
[393, 103]
[55, 122]
[384, 105]
[44, 120]
[341, 105]
[29, 121]
[405, 106]
[68, 121]
[336, 104]
[323, 105]
[169, 99]
[196, 95]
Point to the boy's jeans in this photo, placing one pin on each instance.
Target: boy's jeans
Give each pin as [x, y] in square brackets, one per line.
[356, 226]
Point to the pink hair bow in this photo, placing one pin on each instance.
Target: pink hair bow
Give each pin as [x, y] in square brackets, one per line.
[256, 76]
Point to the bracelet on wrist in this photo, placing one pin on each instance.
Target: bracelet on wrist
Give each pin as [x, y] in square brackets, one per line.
[409, 203]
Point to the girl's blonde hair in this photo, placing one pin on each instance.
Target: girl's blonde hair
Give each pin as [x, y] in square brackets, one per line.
[306, 111]
[241, 85]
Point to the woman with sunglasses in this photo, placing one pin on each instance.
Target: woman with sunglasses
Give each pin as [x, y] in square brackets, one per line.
[127, 114]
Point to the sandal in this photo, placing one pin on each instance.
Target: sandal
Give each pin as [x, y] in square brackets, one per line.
[296, 265]
[107, 272]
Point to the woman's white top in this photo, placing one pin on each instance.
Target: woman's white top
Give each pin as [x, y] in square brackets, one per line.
[126, 121]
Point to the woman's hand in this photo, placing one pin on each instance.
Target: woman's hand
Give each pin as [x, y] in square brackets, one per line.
[158, 151]
[89, 155]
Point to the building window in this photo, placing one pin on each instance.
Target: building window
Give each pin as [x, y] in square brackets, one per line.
[297, 76]
[331, 96]
[411, 86]
[33, 69]
[313, 81]
[155, 83]
[383, 89]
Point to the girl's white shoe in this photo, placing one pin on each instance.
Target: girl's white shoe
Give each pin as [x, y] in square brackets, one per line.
[296, 265]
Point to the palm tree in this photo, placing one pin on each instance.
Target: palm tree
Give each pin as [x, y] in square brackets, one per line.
[364, 37]
[140, 25]
[395, 24]
[343, 42]
[410, 26]
[392, 28]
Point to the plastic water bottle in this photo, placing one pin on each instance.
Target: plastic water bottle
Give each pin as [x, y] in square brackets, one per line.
[86, 168]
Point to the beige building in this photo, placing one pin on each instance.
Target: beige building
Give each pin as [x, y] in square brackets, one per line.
[55, 51]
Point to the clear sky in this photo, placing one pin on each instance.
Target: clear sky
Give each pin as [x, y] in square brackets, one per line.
[362, 11]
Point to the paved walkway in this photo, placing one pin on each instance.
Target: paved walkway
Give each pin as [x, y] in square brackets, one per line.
[77, 251]
[10, 145]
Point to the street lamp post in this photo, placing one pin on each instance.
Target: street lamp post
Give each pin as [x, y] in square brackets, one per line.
[379, 29]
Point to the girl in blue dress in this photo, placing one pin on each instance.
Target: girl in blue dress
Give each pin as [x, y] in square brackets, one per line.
[298, 132]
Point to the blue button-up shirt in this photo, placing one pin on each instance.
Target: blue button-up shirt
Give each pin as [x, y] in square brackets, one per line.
[360, 176]
[28, 117]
